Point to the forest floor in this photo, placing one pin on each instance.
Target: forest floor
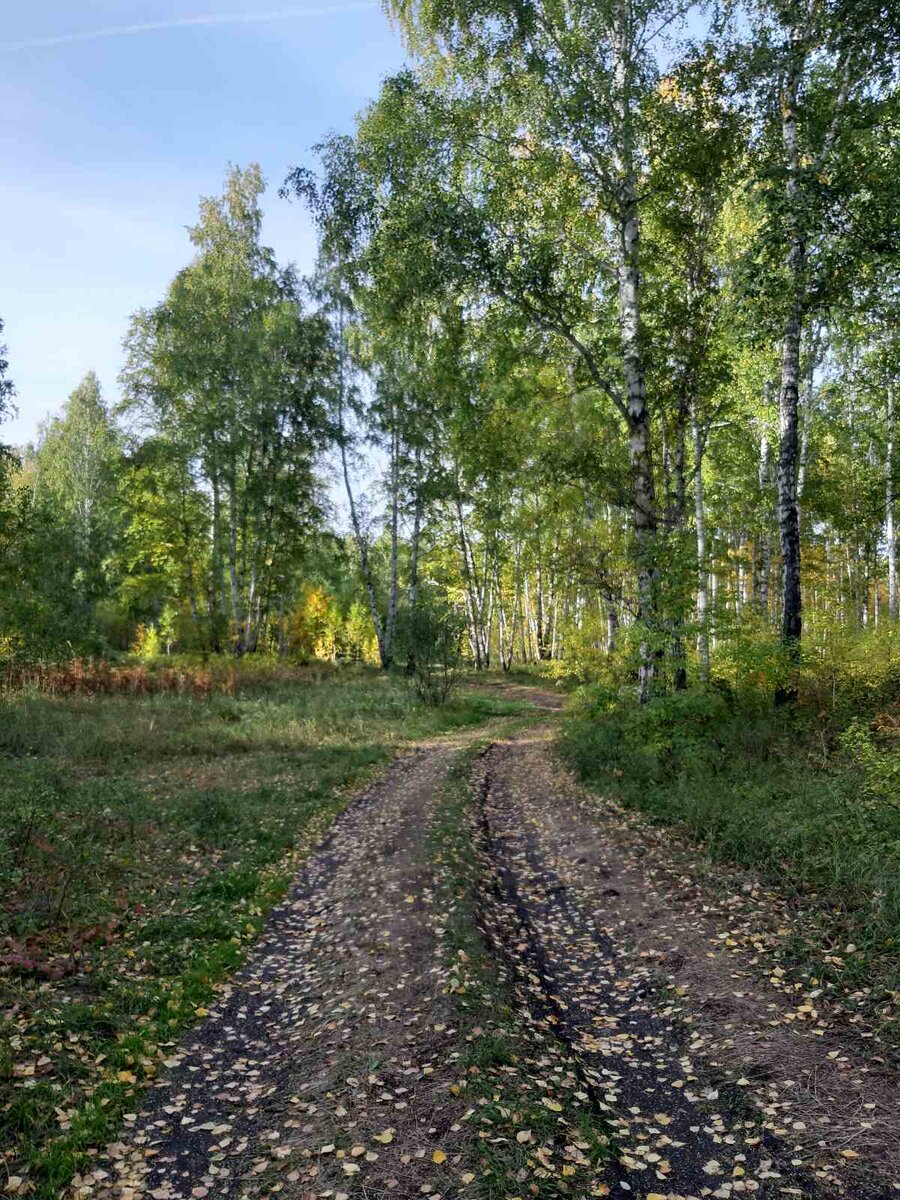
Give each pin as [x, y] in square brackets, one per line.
[486, 981]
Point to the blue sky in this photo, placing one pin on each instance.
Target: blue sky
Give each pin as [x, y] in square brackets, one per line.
[108, 142]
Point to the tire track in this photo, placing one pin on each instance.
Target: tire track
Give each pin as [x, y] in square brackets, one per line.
[680, 1128]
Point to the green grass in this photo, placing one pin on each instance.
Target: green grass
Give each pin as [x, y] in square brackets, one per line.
[510, 1066]
[142, 841]
[810, 804]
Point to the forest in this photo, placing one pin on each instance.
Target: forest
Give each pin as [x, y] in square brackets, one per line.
[611, 318]
[590, 404]
[607, 313]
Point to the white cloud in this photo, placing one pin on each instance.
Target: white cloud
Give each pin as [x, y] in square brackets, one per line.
[112, 31]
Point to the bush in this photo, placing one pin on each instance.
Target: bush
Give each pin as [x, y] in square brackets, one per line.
[432, 638]
[87, 677]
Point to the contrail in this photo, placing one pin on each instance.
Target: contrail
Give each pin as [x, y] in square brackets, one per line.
[112, 31]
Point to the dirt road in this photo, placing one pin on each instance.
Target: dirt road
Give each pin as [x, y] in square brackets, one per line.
[341, 1060]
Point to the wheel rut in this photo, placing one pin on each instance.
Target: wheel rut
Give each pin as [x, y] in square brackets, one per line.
[682, 1126]
[324, 1067]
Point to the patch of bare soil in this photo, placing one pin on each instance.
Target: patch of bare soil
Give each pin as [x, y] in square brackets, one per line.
[324, 1067]
[718, 1077]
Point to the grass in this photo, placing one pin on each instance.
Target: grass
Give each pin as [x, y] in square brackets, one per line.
[516, 1078]
[142, 841]
[810, 802]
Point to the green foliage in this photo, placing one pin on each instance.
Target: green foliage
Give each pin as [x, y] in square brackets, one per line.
[876, 759]
[751, 662]
[147, 643]
[851, 673]
[315, 625]
[359, 639]
[228, 372]
[7, 392]
[73, 475]
[431, 636]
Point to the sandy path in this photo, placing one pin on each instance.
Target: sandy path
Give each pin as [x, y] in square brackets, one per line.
[705, 1098]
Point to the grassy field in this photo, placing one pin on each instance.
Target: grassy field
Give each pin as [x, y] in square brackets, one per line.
[809, 799]
[142, 840]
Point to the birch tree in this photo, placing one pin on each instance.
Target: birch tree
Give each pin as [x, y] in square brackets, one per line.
[231, 364]
[821, 73]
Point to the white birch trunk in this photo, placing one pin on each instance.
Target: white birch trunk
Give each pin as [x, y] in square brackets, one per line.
[702, 563]
[890, 532]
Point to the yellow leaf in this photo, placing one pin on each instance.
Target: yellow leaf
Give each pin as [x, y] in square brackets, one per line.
[385, 1137]
[467, 1176]
[523, 1136]
[126, 1077]
[201, 1012]
[552, 1105]
[439, 1156]
[849, 1154]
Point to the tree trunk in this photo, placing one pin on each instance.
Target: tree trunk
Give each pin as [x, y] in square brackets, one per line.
[639, 446]
[702, 563]
[764, 557]
[789, 394]
[217, 574]
[362, 545]
[612, 628]
[539, 606]
[890, 533]
[788, 513]
[526, 623]
[471, 599]
[637, 411]
[412, 594]
[391, 621]
[282, 640]
[237, 623]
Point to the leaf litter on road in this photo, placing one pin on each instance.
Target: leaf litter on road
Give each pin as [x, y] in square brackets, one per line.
[455, 1000]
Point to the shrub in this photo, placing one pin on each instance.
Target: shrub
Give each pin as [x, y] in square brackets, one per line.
[432, 638]
[147, 644]
[86, 677]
